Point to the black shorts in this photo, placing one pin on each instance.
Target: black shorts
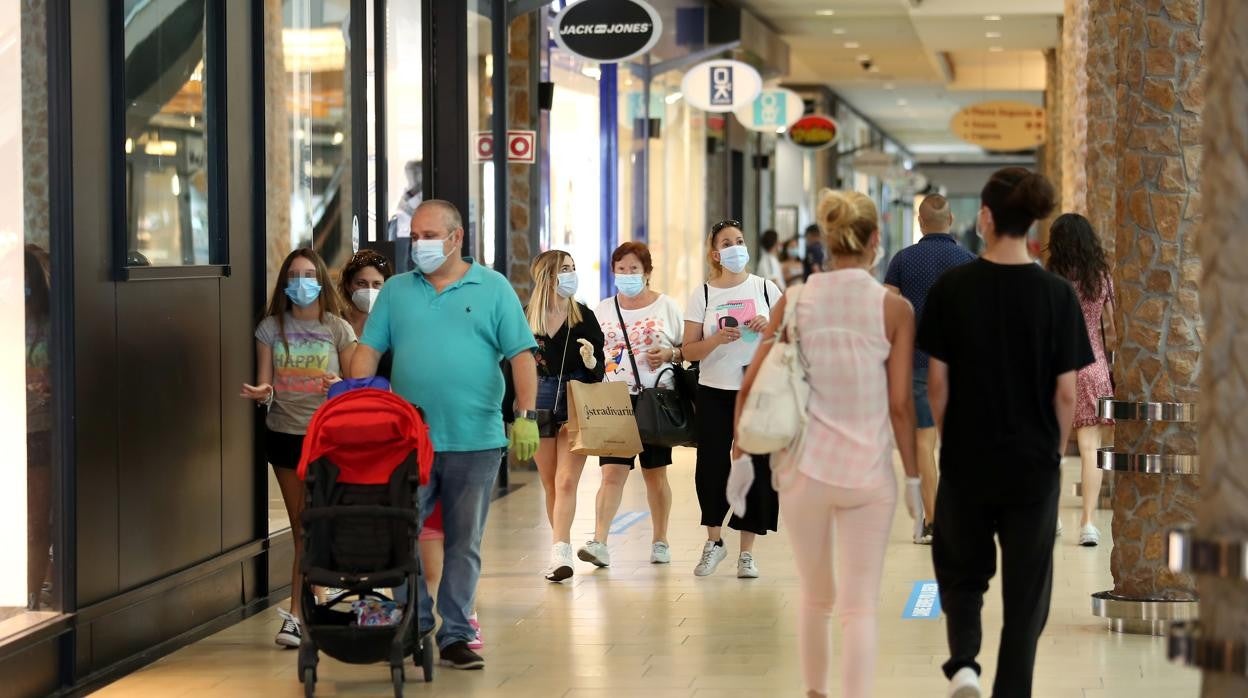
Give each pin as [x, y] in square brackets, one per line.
[651, 457]
[283, 450]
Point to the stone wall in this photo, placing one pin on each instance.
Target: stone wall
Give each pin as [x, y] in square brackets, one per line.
[1223, 244]
[1157, 274]
[523, 186]
[1102, 119]
[1049, 156]
[36, 201]
[1074, 124]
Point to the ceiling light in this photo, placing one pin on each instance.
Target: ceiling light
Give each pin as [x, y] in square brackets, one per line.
[839, 31]
[873, 69]
[592, 72]
[673, 97]
[992, 18]
[992, 35]
[996, 49]
[825, 13]
[902, 102]
[852, 44]
[889, 86]
[338, 137]
[781, 129]
[863, 57]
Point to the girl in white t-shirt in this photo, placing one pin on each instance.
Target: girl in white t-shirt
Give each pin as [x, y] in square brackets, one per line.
[654, 327]
[723, 329]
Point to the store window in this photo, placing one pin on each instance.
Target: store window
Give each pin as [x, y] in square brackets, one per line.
[308, 129]
[166, 133]
[27, 515]
[404, 116]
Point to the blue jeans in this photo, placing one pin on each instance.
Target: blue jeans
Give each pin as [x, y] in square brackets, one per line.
[463, 483]
[922, 407]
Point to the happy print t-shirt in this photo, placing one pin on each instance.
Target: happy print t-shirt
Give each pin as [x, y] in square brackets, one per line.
[299, 363]
[656, 326]
[724, 367]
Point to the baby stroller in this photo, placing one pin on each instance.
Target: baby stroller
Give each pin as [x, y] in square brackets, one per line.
[366, 452]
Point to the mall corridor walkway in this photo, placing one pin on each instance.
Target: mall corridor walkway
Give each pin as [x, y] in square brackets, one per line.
[648, 631]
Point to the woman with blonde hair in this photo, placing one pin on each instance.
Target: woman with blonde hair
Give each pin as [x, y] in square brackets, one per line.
[723, 326]
[569, 342]
[857, 341]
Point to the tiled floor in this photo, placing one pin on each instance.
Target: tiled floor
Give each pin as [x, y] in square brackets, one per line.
[637, 629]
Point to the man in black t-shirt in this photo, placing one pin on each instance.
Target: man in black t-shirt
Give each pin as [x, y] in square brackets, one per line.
[1006, 339]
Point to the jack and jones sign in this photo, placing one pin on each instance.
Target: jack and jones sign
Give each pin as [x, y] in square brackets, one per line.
[608, 31]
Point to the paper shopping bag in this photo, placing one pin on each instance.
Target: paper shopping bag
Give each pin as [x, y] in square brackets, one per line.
[601, 420]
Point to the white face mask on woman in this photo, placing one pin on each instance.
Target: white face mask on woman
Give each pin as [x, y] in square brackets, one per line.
[365, 298]
[734, 258]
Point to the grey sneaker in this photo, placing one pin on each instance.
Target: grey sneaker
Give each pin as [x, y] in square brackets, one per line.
[712, 555]
[660, 553]
[746, 568]
[595, 553]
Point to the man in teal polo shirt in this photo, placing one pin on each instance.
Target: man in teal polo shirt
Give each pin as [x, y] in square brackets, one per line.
[449, 325]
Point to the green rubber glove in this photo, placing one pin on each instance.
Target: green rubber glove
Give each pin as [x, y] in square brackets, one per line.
[524, 439]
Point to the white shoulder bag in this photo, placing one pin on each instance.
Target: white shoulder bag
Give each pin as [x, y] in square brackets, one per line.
[774, 415]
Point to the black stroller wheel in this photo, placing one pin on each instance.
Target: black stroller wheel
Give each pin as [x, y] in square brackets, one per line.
[309, 682]
[396, 676]
[426, 657]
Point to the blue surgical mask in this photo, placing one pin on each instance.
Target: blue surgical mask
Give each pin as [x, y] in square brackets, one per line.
[429, 255]
[630, 285]
[568, 283]
[303, 291]
[734, 258]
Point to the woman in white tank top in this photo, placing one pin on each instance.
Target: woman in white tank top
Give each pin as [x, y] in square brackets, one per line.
[858, 342]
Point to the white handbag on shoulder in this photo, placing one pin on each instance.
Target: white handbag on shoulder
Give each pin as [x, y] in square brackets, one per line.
[773, 417]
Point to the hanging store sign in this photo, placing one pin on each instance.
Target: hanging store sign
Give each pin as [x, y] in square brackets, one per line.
[608, 31]
[721, 86]
[1002, 126]
[814, 132]
[772, 110]
[521, 147]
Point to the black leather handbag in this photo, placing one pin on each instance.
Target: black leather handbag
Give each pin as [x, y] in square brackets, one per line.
[664, 415]
[548, 422]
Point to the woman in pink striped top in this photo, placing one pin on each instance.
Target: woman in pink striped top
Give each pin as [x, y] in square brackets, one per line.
[839, 492]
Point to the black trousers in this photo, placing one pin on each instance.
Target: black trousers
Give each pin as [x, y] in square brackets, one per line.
[715, 410]
[1022, 513]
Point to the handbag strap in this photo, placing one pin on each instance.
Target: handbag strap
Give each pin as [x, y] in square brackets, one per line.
[788, 327]
[563, 361]
[628, 346]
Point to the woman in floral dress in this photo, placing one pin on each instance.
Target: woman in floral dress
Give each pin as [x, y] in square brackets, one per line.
[1075, 252]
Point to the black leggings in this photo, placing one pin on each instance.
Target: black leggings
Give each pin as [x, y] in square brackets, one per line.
[762, 505]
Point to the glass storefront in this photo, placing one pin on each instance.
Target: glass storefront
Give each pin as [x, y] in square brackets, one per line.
[28, 518]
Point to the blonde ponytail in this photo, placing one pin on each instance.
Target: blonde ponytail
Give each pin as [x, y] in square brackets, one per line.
[847, 220]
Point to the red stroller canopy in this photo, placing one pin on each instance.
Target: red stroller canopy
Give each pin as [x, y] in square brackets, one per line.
[367, 434]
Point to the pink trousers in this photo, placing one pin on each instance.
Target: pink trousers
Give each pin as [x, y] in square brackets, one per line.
[847, 529]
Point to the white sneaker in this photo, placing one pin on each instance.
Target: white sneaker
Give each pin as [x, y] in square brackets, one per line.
[1089, 536]
[560, 563]
[291, 632]
[712, 555]
[965, 684]
[746, 569]
[595, 553]
[660, 553]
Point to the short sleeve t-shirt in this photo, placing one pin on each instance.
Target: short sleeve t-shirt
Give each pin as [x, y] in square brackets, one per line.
[724, 367]
[915, 269]
[1006, 333]
[447, 348]
[659, 325]
[301, 359]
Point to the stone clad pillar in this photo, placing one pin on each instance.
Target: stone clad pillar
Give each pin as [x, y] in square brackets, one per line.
[1223, 243]
[1101, 139]
[523, 181]
[1074, 123]
[1049, 155]
[1157, 271]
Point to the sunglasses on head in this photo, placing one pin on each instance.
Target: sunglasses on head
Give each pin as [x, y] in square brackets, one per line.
[369, 258]
[729, 223]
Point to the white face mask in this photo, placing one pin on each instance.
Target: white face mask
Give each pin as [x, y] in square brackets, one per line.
[364, 298]
[734, 258]
[568, 284]
[429, 255]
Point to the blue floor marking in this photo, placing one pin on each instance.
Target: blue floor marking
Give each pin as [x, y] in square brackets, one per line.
[924, 602]
[625, 521]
